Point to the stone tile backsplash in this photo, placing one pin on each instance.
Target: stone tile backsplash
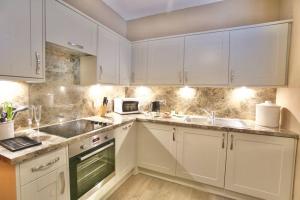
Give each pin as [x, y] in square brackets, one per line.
[226, 102]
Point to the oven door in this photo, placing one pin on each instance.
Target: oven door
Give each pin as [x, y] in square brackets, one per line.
[91, 168]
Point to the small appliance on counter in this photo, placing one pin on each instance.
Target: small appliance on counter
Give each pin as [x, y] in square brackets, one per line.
[103, 107]
[126, 106]
[155, 108]
[267, 114]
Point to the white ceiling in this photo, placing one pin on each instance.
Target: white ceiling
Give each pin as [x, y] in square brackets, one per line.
[133, 9]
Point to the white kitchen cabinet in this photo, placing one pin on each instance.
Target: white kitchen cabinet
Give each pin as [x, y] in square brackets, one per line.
[206, 59]
[201, 155]
[165, 61]
[139, 63]
[258, 55]
[260, 166]
[125, 137]
[108, 56]
[51, 186]
[22, 39]
[125, 62]
[70, 29]
[156, 148]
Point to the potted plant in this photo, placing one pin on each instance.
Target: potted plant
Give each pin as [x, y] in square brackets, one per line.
[6, 121]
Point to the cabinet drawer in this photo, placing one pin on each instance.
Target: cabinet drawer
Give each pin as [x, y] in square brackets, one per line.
[42, 165]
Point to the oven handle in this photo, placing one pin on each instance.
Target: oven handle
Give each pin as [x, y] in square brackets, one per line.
[95, 152]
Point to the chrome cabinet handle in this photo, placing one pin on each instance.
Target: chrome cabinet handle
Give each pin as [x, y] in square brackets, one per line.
[132, 76]
[75, 45]
[231, 145]
[223, 141]
[127, 127]
[38, 63]
[63, 182]
[231, 76]
[46, 166]
[174, 139]
[100, 72]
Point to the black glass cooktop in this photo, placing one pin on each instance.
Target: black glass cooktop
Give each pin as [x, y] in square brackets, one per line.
[73, 128]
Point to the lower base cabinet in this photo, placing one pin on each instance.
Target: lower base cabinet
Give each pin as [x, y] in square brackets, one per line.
[201, 155]
[125, 137]
[260, 166]
[156, 148]
[46, 177]
[48, 187]
[254, 165]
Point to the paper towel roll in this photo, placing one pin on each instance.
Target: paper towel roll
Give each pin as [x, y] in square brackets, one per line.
[267, 114]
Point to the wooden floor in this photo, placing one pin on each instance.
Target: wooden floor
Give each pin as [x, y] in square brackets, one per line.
[143, 187]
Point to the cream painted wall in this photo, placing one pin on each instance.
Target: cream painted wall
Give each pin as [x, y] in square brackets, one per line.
[286, 9]
[289, 98]
[220, 15]
[102, 13]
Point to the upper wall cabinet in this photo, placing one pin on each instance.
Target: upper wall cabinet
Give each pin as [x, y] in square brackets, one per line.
[165, 61]
[255, 55]
[22, 41]
[206, 59]
[108, 56]
[139, 63]
[258, 56]
[68, 28]
[125, 61]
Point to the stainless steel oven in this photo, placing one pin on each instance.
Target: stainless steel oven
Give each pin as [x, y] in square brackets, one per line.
[92, 163]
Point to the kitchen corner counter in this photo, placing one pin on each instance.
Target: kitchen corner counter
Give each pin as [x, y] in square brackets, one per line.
[51, 142]
[232, 125]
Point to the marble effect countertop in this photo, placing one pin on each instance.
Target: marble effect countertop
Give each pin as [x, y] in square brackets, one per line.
[52, 142]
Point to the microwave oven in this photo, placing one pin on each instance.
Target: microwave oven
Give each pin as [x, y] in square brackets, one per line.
[125, 106]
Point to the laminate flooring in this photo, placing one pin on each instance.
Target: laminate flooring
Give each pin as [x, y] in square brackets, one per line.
[143, 187]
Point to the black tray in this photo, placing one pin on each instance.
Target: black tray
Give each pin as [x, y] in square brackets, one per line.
[18, 143]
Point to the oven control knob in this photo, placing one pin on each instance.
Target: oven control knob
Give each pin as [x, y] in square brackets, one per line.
[82, 147]
[106, 137]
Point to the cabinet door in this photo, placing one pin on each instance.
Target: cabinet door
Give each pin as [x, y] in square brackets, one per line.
[108, 56]
[165, 61]
[206, 59]
[68, 28]
[156, 148]
[125, 149]
[37, 39]
[201, 155]
[21, 35]
[125, 62]
[260, 166]
[258, 56]
[51, 186]
[139, 63]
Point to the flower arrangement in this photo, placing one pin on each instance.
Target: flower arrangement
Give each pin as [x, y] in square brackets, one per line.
[7, 112]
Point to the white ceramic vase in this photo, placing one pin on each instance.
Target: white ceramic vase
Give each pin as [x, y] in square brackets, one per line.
[7, 130]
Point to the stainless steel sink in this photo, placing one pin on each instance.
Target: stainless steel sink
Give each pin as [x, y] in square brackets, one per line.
[216, 122]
